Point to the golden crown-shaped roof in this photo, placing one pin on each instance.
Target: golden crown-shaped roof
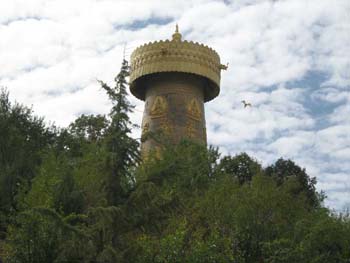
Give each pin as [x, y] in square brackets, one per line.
[175, 56]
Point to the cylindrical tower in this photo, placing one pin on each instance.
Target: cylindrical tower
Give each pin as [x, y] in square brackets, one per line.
[174, 78]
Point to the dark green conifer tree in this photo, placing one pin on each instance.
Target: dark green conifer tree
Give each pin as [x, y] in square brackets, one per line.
[123, 150]
[23, 137]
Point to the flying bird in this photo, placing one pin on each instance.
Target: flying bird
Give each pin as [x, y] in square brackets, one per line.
[246, 104]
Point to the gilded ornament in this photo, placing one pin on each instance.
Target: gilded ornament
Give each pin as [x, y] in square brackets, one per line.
[159, 107]
[190, 129]
[193, 109]
[145, 131]
[158, 152]
[166, 127]
[145, 128]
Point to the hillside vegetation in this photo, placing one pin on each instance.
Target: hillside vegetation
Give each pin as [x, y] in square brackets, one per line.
[81, 194]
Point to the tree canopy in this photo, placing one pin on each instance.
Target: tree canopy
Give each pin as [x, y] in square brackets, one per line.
[81, 194]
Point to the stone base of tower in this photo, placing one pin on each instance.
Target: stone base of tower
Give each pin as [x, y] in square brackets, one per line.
[174, 109]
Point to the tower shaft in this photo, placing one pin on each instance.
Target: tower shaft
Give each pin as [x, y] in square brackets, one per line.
[174, 109]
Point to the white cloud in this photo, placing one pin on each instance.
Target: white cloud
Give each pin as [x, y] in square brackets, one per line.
[333, 139]
[292, 146]
[52, 52]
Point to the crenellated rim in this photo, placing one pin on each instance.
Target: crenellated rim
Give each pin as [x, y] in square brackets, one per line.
[175, 56]
[174, 44]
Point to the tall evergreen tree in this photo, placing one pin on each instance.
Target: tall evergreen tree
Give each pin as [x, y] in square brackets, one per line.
[23, 137]
[123, 150]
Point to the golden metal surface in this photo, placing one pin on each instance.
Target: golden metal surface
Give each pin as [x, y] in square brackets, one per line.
[175, 56]
[174, 78]
[159, 107]
[190, 129]
[193, 110]
[145, 129]
[166, 127]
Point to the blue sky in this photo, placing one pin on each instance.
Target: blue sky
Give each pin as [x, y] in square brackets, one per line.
[289, 58]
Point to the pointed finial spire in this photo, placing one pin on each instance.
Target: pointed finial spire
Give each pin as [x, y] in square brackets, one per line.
[177, 36]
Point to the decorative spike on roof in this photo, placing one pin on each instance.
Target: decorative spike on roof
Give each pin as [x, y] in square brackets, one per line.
[177, 36]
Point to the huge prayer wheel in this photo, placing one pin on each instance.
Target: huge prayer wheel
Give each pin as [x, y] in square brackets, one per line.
[174, 78]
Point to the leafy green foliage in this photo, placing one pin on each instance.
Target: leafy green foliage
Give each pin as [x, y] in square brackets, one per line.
[284, 170]
[241, 167]
[229, 222]
[80, 194]
[23, 138]
[38, 235]
[89, 127]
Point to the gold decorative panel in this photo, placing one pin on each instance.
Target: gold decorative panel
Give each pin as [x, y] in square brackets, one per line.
[159, 107]
[193, 109]
[145, 130]
[190, 130]
[166, 127]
